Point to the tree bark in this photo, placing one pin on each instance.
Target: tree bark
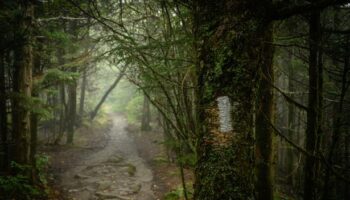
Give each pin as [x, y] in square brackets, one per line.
[22, 85]
[314, 108]
[337, 124]
[3, 116]
[63, 113]
[82, 94]
[230, 40]
[62, 100]
[72, 111]
[33, 142]
[72, 29]
[264, 133]
[346, 192]
[146, 115]
[34, 118]
[291, 127]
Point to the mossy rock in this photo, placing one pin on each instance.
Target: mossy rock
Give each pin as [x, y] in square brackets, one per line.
[115, 159]
[131, 169]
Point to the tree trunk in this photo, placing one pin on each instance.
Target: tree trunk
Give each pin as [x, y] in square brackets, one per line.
[337, 124]
[346, 192]
[146, 115]
[71, 117]
[63, 113]
[291, 127]
[110, 89]
[72, 111]
[264, 133]
[82, 94]
[314, 109]
[169, 139]
[230, 38]
[34, 118]
[33, 142]
[62, 100]
[3, 116]
[22, 85]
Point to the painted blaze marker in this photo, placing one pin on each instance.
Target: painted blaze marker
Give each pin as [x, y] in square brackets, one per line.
[224, 106]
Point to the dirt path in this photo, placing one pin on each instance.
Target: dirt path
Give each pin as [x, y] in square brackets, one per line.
[115, 172]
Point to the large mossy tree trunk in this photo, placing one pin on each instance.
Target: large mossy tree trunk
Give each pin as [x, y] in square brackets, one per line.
[231, 38]
[22, 84]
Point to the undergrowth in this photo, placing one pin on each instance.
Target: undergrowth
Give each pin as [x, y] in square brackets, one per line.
[26, 184]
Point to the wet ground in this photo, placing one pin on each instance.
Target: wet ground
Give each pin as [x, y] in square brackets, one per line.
[114, 171]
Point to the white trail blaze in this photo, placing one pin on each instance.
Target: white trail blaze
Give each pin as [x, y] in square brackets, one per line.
[224, 106]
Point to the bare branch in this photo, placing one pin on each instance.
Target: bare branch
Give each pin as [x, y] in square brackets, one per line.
[60, 18]
[280, 12]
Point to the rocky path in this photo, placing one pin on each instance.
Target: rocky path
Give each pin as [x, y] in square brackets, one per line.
[116, 172]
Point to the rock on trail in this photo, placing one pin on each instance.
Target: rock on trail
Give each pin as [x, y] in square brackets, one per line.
[116, 172]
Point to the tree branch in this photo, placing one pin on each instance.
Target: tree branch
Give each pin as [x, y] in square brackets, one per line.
[60, 18]
[334, 31]
[283, 12]
[289, 99]
[300, 149]
[110, 89]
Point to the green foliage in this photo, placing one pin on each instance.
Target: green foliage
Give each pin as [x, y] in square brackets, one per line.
[159, 160]
[189, 159]
[12, 187]
[123, 94]
[178, 193]
[39, 108]
[46, 83]
[34, 105]
[173, 195]
[56, 76]
[171, 143]
[58, 36]
[134, 109]
[20, 185]
[42, 162]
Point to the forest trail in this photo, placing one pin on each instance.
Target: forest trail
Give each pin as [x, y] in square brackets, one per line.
[116, 172]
